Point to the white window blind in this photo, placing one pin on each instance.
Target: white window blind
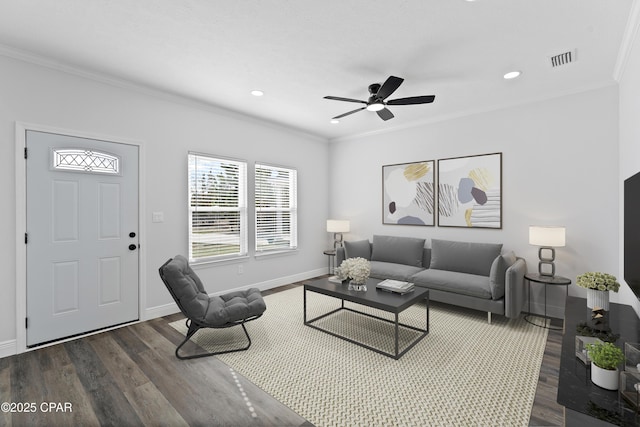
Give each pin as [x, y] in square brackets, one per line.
[217, 208]
[276, 208]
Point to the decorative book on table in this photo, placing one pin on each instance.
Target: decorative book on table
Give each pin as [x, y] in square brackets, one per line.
[396, 286]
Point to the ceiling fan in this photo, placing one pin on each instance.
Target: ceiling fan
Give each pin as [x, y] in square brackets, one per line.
[377, 98]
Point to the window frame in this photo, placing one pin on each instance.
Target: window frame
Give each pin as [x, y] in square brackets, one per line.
[292, 210]
[242, 197]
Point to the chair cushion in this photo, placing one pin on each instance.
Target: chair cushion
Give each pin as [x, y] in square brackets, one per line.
[464, 257]
[194, 302]
[358, 249]
[400, 250]
[392, 270]
[235, 306]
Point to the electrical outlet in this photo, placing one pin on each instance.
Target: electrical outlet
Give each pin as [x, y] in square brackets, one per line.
[240, 269]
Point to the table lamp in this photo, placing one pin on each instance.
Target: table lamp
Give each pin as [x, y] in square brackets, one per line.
[337, 227]
[548, 238]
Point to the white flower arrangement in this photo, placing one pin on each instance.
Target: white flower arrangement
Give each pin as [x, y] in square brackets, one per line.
[598, 281]
[356, 269]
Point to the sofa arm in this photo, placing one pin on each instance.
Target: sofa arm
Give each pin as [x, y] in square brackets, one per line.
[339, 256]
[514, 297]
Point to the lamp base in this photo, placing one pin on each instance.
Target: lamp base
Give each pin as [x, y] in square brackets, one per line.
[546, 261]
[337, 240]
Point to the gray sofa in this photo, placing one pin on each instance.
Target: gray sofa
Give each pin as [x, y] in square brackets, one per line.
[472, 275]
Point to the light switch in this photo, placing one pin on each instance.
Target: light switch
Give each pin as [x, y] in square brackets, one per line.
[157, 217]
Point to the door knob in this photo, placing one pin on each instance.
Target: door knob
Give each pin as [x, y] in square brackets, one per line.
[132, 247]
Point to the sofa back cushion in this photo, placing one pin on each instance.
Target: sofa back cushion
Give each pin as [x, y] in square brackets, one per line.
[399, 250]
[357, 249]
[464, 257]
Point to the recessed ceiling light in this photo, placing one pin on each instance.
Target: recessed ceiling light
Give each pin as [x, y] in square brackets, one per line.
[257, 93]
[512, 75]
[334, 121]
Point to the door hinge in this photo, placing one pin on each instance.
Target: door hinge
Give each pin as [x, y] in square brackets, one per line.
[26, 152]
[26, 238]
[26, 322]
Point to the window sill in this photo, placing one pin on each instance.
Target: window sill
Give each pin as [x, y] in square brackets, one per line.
[269, 254]
[211, 262]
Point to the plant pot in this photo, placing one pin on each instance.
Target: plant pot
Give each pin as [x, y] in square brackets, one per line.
[604, 378]
[596, 298]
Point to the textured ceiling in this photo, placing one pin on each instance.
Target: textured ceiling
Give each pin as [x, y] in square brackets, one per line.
[299, 51]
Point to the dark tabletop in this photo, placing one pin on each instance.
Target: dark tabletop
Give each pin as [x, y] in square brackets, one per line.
[373, 297]
[547, 280]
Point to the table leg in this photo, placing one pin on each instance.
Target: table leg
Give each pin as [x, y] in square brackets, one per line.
[304, 305]
[397, 333]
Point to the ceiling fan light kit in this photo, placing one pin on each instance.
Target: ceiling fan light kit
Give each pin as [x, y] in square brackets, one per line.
[378, 94]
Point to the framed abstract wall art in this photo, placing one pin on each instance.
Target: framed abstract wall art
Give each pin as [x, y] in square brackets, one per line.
[470, 191]
[408, 196]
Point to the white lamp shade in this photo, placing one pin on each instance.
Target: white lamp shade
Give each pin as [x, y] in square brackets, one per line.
[337, 226]
[547, 236]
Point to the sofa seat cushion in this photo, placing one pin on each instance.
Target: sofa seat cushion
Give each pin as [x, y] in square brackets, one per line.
[401, 250]
[451, 281]
[390, 270]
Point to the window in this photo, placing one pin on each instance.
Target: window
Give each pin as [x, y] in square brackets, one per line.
[276, 209]
[82, 160]
[217, 208]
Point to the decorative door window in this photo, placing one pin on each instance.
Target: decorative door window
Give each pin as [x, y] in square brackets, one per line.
[81, 160]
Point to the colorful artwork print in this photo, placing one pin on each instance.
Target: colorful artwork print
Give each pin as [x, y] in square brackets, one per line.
[470, 191]
[408, 194]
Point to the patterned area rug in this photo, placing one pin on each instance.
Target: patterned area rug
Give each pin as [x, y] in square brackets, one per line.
[466, 372]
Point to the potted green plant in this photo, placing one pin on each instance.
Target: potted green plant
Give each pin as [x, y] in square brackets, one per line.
[605, 358]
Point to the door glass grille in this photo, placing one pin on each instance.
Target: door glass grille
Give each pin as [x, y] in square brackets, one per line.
[85, 161]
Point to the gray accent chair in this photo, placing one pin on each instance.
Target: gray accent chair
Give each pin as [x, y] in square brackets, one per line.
[204, 311]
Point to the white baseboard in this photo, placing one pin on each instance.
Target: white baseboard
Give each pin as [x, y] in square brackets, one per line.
[8, 348]
[171, 308]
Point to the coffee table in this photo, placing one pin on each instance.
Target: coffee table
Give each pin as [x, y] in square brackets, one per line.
[382, 300]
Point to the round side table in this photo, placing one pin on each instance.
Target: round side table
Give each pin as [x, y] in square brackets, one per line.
[546, 281]
[331, 253]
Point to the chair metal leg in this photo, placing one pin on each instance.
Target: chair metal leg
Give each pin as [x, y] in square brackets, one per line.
[193, 328]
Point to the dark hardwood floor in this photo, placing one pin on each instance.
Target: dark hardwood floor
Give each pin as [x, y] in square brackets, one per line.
[130, 377]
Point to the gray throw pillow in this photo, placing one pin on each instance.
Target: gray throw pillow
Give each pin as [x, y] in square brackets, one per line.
[358, 249]
[399, 250]
[464, 257]
[498, 272]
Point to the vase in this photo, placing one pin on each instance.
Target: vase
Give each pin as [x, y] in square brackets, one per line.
[605, 378]
[359, 287]
[596, 298]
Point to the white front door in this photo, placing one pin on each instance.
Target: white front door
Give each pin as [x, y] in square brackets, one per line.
[82, 235]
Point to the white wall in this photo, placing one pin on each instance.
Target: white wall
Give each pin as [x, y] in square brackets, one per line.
[560, 167]
[168, 129]
[629, 138]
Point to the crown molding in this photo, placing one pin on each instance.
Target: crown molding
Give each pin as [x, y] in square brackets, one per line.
[473, 112]
[62, 67]
[630, 33]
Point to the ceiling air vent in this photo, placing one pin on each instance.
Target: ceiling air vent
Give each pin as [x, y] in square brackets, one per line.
[563, 58]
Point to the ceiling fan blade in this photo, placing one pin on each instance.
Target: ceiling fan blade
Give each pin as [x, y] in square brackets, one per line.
[337, 98]
[385, 114]
[412, 100]
[389, 86]
[350, 112]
